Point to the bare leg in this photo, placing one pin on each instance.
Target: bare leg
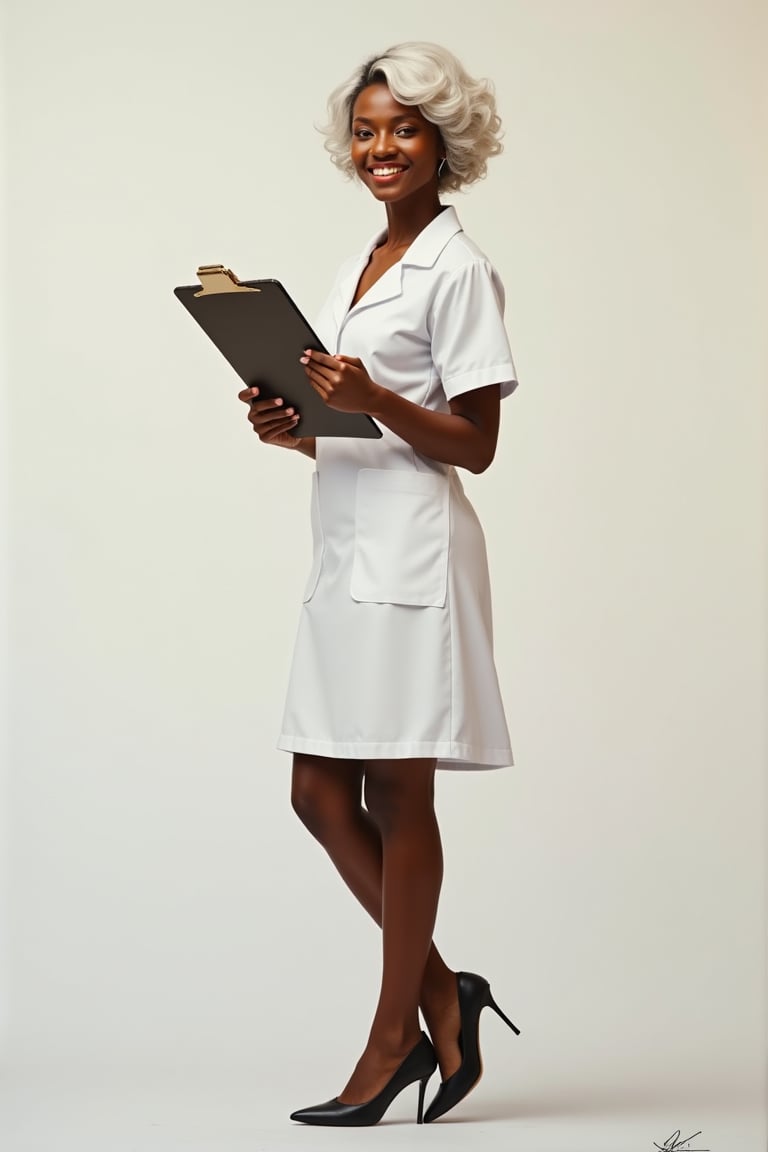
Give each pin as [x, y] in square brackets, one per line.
[399, 798]
[326, 794]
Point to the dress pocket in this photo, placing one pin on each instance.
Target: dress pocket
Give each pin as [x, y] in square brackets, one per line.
[318, 542]
[401, 538]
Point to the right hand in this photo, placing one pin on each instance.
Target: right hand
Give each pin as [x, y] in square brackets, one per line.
[271, 422]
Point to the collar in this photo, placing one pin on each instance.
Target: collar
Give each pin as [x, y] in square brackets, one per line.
[422, 253]
[429, 243]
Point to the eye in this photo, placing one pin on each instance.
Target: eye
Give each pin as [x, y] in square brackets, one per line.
[362, 133]
[407, 130]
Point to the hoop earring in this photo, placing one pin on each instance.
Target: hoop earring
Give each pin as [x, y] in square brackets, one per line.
[440, 167]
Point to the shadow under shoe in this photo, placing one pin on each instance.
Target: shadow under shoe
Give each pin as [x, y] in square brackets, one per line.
[419, 1065]
[474, 995]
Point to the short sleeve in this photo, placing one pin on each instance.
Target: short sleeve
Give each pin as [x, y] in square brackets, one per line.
[470, 347]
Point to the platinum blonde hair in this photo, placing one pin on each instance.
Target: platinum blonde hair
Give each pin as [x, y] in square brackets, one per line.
[430, 77]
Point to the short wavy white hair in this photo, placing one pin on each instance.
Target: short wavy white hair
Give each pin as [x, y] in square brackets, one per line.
[430, 77]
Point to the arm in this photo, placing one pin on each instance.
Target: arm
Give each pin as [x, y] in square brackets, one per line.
[466, 436]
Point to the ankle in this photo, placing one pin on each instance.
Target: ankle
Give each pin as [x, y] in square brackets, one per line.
[394, 1039]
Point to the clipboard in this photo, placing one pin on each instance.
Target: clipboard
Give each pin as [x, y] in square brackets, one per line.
[259, 330]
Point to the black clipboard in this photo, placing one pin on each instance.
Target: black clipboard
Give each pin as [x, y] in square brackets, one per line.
[257, 327]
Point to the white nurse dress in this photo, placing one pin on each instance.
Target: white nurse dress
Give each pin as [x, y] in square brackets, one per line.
[394, 650]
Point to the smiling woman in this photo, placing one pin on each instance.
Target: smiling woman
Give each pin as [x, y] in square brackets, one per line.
[393, 672]
[392, 146]
[430, 79]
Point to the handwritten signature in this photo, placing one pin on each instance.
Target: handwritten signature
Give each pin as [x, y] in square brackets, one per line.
[673, 1143]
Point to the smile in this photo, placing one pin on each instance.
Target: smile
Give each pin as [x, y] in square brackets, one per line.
[388, 171]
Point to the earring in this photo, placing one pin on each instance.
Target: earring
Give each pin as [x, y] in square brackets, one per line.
[440, 167]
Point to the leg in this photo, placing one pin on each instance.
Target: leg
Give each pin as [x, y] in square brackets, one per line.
[326, 795]
[399, 795]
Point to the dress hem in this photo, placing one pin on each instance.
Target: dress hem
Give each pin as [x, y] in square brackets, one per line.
[448, 753]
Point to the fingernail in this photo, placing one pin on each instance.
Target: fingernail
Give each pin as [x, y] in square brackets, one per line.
[303, 359]
[289, 411]
[278, 401]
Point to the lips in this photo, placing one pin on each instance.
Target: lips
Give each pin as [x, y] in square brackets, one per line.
[384, 173]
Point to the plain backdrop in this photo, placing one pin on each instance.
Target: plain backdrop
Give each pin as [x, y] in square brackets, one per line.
[163, 909]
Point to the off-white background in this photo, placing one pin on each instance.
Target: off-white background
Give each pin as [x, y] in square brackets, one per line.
[181, 966]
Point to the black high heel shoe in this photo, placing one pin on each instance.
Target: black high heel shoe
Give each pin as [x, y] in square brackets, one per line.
[419, 1065]
[474, 995]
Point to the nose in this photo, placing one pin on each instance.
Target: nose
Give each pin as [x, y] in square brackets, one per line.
[383, 145]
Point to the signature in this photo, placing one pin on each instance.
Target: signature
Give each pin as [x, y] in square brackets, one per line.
[673, 1143]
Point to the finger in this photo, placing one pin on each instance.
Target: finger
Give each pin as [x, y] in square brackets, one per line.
[267, 405]
[268, 426]
[261, 420]
[247, 394]
[323, 375]
[355, 361]
[278, 430]
[316, 357]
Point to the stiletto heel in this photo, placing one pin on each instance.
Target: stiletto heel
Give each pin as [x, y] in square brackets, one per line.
[492, 1004]
[474, 994]
[419, 1065]
[420, 1112]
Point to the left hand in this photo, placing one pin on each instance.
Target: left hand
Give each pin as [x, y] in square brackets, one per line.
[341, 381]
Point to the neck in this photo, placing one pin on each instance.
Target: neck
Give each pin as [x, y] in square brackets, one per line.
[405, 221]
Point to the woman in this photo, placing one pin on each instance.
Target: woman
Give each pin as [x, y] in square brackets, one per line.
[393, 670]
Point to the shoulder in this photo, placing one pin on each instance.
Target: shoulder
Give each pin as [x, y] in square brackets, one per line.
[348, 264]
[462, 250]
[360, 256]
[344, 270]
[462, 262]
[464, 271]
[353, 265]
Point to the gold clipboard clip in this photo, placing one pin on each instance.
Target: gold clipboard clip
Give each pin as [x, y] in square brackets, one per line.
[215, 279]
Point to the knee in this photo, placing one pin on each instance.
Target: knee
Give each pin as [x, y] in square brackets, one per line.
[318, 800]
[394, 802]
[308, 800]
[380, 802]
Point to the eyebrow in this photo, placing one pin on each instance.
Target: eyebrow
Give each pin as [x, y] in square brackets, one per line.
[394, 120]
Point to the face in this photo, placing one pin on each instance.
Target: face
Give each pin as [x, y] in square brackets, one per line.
[396, 152]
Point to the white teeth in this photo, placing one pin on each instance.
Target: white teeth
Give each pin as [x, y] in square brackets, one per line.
[386, 171]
